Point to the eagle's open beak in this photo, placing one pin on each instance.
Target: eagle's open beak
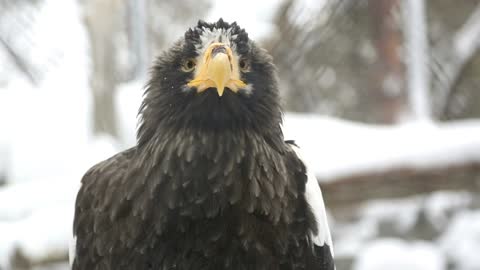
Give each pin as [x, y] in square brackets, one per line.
[218, 69]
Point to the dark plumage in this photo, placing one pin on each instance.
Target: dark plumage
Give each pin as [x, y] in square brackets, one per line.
[211, 184]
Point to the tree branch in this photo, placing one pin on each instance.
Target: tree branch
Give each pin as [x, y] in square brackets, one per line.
[418, 74]
[19, 62]
[400, 182]
[451, 57]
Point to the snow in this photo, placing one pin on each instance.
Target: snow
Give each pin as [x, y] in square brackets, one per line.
[334, 148]
[375, 147]
[396, 254]
[401, 218]
[128, 100]
[461, 241]
[40, 221]
[60, 99]
[324, 141]
[400, 215]
[440, 206]
[46, 143]
[46, 112]
[46, 146]
[39, 234]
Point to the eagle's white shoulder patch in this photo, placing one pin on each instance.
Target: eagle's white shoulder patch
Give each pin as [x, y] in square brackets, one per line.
[314, 198]
[72, 250]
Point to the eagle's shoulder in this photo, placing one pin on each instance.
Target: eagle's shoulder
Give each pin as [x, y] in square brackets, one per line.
[113, 166]
[321, 237]
[93, 207]
[100, 182]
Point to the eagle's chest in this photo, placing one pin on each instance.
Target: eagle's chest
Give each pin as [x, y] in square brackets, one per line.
[249, 178]
[233, 219]
[239, 200]
[222, 202]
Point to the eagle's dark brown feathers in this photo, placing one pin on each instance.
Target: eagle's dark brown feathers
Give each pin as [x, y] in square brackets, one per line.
[211, 183]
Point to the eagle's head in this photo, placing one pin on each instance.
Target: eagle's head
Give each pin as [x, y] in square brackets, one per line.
[214, 77]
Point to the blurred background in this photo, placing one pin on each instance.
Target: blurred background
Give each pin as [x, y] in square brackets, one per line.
[383, 95]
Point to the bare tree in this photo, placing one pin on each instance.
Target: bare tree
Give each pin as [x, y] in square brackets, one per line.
[17, 20]
[418, 78]
[137, 32]
[103, 18]
[19, 61]
[389, 74]
[450, 57]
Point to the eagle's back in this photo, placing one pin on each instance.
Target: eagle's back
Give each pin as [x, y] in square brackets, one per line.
[198, 202]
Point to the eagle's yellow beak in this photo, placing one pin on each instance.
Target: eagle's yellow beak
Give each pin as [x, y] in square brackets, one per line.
[217, 68]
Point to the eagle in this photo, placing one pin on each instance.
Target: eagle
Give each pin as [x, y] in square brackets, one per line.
[211, 183]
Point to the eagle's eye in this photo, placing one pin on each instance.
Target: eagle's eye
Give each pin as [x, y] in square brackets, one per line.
[189, 65]
[244, 65]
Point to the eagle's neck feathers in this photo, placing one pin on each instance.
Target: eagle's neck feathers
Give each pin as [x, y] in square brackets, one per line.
[190, 168]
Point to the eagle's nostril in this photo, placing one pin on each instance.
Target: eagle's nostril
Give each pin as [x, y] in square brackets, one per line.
[218, 49]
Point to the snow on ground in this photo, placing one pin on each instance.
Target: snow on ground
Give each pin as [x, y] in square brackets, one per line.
[335, 148]
[46, 146]
[396, 254]
[350, 148]
[40, 234]
[36, 216]
[440, 206]
[391, 234]
[400, 215]
[341, 147]
[461, 242]
[45, 140]
[407, 218]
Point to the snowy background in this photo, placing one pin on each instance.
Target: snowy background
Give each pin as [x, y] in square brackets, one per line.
[382, 95]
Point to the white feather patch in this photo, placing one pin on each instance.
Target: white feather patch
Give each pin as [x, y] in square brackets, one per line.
[208, 37]
[314, 198]
[72, 250]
